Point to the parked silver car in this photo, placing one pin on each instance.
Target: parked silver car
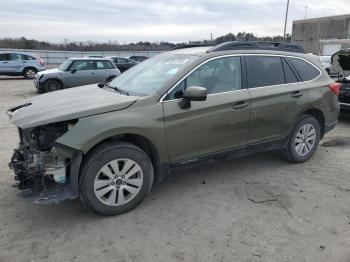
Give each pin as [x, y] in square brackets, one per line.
[76, 72]
[20, 64]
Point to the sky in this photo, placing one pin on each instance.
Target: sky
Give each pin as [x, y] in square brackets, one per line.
[154, 20]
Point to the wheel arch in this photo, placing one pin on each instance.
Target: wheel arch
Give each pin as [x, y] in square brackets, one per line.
[318, 115]
[54, 78]
[140, 141]
[28, 67]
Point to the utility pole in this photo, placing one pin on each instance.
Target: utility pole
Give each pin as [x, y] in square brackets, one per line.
[285, 20]
[211, 38]
[305, 15]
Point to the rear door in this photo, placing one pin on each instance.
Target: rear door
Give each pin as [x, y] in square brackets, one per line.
[15, 63]
[104, 70]
[81, 72]
[214, 125]
[4, 63]
[277, 97]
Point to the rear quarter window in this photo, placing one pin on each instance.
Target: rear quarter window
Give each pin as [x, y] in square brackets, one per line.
[305, 70]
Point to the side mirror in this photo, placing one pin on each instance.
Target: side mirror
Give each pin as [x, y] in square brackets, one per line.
[73, 71]
[193, 93]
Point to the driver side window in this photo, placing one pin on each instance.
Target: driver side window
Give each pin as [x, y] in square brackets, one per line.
[82, 65]
[218, 75]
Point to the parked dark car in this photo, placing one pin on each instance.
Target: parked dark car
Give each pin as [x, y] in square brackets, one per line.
[138, 58]
[122, 63]
[341, 62]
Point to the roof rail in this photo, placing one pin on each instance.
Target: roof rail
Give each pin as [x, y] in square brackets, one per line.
[186, 46]
[257, 45]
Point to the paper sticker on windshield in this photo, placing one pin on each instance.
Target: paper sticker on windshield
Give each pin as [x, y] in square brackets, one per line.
[177, 61]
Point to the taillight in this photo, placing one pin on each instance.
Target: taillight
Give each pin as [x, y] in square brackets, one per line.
[41, 61]
[335, 88]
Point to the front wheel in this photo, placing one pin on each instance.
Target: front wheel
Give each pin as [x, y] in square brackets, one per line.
[115, 178]
[51, 85]
[304, 140]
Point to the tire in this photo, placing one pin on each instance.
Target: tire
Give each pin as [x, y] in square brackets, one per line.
[51, 85]
[102, 188]
[29, 72]
[304, 140]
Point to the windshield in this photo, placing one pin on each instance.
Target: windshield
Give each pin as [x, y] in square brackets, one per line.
[147, 77]
[64, 66]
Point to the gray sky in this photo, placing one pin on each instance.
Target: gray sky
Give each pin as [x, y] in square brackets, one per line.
[172, 20]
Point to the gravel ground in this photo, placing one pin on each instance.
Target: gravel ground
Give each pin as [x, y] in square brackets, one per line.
[257, 208]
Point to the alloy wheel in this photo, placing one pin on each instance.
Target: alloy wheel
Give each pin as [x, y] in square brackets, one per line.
[118, 182]
[305, 139]
[30, 73]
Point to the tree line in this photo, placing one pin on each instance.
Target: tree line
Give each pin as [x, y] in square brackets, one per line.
[67, 45]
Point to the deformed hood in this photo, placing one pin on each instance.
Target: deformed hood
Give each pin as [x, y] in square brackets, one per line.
[67, 104]
[341, 61]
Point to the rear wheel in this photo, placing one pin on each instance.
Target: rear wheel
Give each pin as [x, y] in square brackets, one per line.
[51, 85]
[29, 72]
[115, 178]
[304, 140]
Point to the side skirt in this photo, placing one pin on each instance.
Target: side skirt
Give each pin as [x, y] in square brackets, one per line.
[275, 144]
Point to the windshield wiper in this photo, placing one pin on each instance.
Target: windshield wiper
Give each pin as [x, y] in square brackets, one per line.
[119, 90]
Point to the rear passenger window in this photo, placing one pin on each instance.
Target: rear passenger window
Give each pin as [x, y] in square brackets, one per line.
[27, 57]
[264, 71]
[288, 72]
[15, 57]
[305, 70]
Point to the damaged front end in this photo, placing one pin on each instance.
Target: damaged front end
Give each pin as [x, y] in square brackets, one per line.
[45, 171]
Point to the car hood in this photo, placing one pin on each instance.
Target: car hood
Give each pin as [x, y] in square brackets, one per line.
[67, 104]
[50, 71]
[341, 61]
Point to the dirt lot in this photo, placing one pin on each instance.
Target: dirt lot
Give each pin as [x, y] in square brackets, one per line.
[257, 208]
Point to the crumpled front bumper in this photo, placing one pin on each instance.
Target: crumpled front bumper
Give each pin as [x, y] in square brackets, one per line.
[42, 178]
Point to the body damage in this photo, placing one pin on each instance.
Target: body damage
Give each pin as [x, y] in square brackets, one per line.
[57, 130]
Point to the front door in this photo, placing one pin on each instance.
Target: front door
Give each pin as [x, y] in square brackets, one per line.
[81, 72]
[4, 63]
[211, 126]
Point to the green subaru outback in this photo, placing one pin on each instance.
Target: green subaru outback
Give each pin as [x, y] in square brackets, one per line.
[108, 143]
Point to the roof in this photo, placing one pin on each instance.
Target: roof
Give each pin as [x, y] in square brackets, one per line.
[88, 58]
[324, 18]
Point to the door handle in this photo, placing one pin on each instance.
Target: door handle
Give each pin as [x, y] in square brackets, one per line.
[240, 105]
[297, 94]
[93, 73]
[5, 62]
